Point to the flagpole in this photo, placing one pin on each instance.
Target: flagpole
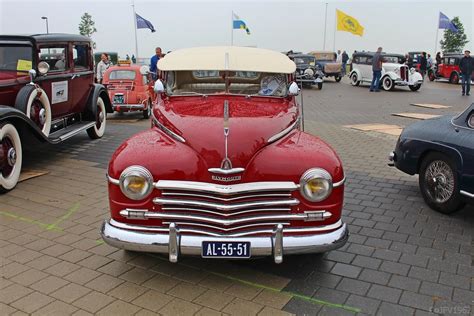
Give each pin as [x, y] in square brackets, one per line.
[232, 29]
[437, 32]
[335, 26]
[135, 24]
[325, 26]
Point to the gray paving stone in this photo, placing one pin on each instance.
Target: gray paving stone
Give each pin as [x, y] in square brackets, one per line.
[386, 254]
[324, 279]
[340, 256]
[455, 280]
[395, 267]
[384, 293]
[367, 262]
[361, 249]
[463, 296]
[389, 309]
[405, 283]
[378, 243]
[367, 305]
[346, 270]
[403, 247]
[414, 260]
[416, 300]
[442, 265]
[353, 286]
[435, 289]
[302, 307]
[331, 295]
[374, 276]
[423, 274]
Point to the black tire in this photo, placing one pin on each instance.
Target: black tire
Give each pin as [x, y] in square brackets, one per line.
[431, 76]
[147, 111]
[439, 183]
[11, 157]
[387, 83]
[415, 87]
[320, 85]
[454, 78]
[355, 80]
[98, 130]
[338, 78]
[36, 106]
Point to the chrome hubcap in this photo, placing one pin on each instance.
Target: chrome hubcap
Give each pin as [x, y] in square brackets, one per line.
[440, 180]
[101, 117]
[11, 157]
[42, 116]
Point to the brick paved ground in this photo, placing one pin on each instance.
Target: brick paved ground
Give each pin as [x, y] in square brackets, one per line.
[402, 258]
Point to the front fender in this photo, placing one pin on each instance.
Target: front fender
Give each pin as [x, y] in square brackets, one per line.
[25, 126]
[98, 91]
[356, 71]
[415, 77]
[390, 74]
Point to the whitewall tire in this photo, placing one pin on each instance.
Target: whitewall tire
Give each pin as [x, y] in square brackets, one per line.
[355, 80]
[387, 84]
[11, 157]
[33, 101]
[98, 130]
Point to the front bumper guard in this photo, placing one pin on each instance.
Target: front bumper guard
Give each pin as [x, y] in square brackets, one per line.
[175, 244]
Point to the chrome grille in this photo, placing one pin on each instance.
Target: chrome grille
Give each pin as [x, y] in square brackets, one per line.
[226, 209]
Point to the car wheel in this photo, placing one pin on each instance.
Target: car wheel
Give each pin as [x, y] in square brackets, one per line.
[338, 78]
[415, 87]
[454, 78]
[355, 80]
[10, 157]
[387, 84]
[34, 102]
[98, 130]
[147, 111]
[439, 183]
[320, 85]
[431, 76]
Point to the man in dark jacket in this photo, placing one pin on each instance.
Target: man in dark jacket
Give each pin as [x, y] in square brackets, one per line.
[345, 58]
[466, 65]
[423, 64]
[377, 61]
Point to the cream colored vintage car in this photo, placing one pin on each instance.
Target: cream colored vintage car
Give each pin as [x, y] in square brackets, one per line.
[394, 72]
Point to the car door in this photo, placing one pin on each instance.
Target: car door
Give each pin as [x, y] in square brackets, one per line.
[366, 68]
[56, 81]
[466, 141]
[83, 75]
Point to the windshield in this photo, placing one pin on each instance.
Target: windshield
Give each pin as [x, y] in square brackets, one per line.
[205, 82]
[122, 75]
[16, 58]
[393, 59]
[304, 60]
[325, 56]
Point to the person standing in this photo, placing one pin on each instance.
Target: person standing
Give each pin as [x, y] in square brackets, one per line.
[438, 58]
[423, 65]
[429, 61]
[134, 60]
[127, 58]
[377, 61]
[102, 66]
[153, 63]
[339, 56]
[345, 59]
[466, 65]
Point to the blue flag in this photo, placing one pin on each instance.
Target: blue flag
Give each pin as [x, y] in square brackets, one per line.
[238, 24]
[445, 23]
[144, 24]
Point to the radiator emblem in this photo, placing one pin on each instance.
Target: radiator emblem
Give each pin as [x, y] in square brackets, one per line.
[226, 179]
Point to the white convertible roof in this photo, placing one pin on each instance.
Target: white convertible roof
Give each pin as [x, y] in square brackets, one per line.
[231, 58]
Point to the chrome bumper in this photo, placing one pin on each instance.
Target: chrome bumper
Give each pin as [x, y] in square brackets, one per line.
[117, 106]
[391, 159]
[174, 244]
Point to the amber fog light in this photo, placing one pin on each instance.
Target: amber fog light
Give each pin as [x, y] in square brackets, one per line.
[316, 184]
[136, 182]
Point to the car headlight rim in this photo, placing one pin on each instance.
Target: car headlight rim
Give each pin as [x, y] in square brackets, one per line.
[312, 177]
[138, 173]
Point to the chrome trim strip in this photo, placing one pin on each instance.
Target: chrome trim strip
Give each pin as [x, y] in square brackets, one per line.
[153, 229]
[211, 197]
[226, 172]
[226, 229]
[187, 209]
[213, 220]
[471, 195]
[230, 189]
[278, 244]
[76, 131]
[173, 244]
[225, 207]
[338, 184]
[284, 132]
[333, 238]
[112, 180]
[166, 130]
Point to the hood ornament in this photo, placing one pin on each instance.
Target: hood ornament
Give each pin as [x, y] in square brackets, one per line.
[226, 164]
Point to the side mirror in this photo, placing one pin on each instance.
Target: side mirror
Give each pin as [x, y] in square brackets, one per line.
[32, 74]
[43, 67]
[159, 87]
[293, 90]
[144, 70]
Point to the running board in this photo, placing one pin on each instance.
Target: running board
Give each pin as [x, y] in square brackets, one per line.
[69, 132]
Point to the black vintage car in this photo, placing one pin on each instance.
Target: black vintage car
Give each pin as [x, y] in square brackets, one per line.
[308, 73]
[441, 151]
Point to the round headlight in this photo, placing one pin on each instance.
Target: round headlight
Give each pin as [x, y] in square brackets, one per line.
[136, 182]
[316, 184]
[309, 72]
[43, 67]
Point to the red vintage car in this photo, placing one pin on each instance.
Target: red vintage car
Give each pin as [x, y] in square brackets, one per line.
[225, 171]
[130, 88]
[448, 69]
[47, 94]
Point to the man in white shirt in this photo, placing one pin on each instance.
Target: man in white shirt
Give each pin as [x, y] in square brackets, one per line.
[339, 56]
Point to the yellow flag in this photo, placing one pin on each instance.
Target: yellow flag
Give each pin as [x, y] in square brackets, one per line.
[347, 23]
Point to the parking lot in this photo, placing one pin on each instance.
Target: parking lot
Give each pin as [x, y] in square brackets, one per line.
[402, 258]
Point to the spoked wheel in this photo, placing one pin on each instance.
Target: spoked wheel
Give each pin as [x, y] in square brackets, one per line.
[10, 157]
[147, 111]
[454, 78]
[98, 130]
[34, 102]
[387, 84]
[355, 80]
[439, 184]
[431, 76]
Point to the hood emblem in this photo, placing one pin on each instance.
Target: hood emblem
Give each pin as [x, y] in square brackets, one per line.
[226, 165]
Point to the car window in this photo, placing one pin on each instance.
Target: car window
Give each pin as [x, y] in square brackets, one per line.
[16, 58]
[122, 75]
[55, 56]
[80, 55]
[452, 61]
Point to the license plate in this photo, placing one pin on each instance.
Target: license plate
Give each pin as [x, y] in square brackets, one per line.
[218, 249]
[118, 99]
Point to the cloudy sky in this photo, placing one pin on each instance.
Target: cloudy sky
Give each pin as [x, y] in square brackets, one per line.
[397, 25]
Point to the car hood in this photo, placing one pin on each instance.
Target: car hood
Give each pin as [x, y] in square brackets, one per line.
[252, 122]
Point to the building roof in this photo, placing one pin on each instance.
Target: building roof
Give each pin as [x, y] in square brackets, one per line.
[223, 58]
